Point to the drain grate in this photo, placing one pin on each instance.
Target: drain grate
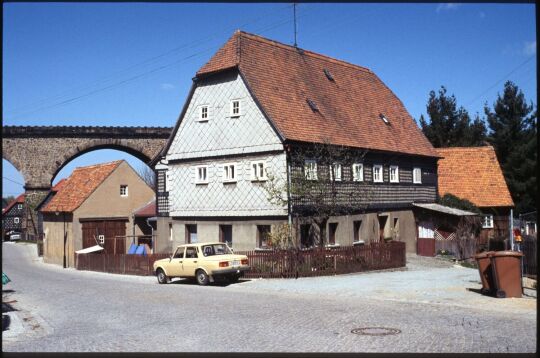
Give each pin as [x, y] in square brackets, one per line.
[376, 331]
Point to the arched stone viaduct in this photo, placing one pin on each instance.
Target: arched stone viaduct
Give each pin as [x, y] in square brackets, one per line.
[39, 153]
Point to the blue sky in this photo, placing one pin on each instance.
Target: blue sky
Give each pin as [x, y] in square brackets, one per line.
[131, 64]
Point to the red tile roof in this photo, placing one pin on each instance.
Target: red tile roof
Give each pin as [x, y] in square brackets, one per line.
[473, 173]
[146, 211]
[78, 187]
[283, 78]
[17, 200]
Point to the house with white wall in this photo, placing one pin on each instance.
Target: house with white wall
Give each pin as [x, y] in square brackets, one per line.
[252, 113]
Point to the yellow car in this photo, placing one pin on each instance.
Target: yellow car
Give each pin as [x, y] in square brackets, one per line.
[203, 261]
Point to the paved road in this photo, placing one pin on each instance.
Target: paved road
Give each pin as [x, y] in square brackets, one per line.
[69, 310]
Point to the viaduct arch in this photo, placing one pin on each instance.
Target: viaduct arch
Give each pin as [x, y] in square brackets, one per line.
[39, 153]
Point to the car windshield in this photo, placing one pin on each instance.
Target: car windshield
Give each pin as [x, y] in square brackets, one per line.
[216, 249]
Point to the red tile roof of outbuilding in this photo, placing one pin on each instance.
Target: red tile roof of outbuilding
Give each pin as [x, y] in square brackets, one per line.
[473, 173]
[147, 210]
[282, 78]
[78, 186]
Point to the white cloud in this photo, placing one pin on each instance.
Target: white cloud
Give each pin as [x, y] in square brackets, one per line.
[529, 48]
[447, 7]
[167, 86]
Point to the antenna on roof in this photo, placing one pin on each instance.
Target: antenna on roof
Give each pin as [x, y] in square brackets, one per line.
[294, 12]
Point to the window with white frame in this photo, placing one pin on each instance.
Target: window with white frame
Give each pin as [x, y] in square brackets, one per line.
[123, 190]
[203, 113]
[335, 172]
[310, 169]
[229, 172]
[417, 175]
[16, 220]
[358, 172]
[394, 174]
[19, 206]
[236, 110]
[201, 174]
[258, 170]
[101, 239]
[377, 173]
[487, 222]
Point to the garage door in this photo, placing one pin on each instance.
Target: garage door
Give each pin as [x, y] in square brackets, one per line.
[92, 230]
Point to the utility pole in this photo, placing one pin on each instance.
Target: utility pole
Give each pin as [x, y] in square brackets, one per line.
[294, 12]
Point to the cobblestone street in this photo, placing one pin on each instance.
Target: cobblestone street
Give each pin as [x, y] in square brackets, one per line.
[65, 310]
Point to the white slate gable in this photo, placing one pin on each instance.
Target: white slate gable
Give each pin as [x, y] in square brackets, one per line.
[222, 134]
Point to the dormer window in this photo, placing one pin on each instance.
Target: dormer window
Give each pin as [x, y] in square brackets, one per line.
[312, 105]
[328, 75]
[235, 108]
[384, 119]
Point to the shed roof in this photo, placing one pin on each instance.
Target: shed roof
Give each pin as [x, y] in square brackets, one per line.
[444, 209]
[148, 210]
[473, 173]
[349, 99]
[79, 186]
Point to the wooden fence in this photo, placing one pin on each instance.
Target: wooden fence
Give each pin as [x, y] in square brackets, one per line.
[331, 261]
[530, 258]
[119, 263]
[270, 264]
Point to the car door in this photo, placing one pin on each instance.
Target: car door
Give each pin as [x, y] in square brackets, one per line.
[175, 266]
[190, 261]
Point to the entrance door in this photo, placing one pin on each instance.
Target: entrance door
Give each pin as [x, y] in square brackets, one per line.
[425, 243]
[382, 225]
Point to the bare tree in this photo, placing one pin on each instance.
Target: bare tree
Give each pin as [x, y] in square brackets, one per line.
[320, 187]
[148, 175]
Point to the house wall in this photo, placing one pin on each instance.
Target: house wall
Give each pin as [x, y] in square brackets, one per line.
[106, 202]
[501, 225]
[8, 218]
[54, 227]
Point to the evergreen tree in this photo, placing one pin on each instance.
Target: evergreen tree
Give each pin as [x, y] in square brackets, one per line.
[449, 126]
[513, 131]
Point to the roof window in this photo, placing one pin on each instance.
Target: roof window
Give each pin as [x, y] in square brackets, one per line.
[328, 74]
[312, 105]
[384, 119]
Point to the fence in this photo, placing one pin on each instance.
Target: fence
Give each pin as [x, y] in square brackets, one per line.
[461, 248]
[331, 261]
[270, 264]
[120, 263]
[530, 258]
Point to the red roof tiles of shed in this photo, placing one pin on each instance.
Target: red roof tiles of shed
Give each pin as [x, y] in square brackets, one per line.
[473, 173]
[283, 78]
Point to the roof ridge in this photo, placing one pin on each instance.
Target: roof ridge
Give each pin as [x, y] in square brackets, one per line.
[268, 41]
[466, 148]
[115, 162]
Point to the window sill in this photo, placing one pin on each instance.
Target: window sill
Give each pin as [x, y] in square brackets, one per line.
[358, 243]
[201, 183]
[263, 249]
[229, 182]
[259, 179]
[201, 120]
[331, 246]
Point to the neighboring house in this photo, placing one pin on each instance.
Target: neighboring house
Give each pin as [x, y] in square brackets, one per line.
[12, 217]
[93, 206]
[144, 222]
[474, 174]
[252, 111]
[44, 202]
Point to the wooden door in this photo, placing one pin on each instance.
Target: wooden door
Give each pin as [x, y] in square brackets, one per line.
[92, 230]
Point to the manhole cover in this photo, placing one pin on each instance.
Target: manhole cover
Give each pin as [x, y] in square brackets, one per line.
[376, 331]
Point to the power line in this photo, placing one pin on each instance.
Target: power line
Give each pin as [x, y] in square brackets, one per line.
[191, 44]
[499, 81]
[13, 181]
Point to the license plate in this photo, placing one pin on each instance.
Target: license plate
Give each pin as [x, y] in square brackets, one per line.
[236, 263]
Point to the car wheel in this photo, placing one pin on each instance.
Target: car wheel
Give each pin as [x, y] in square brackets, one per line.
[161, 277]
[202, 278]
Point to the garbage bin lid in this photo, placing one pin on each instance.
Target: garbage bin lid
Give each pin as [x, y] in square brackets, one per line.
[507, 253]
[484, 254]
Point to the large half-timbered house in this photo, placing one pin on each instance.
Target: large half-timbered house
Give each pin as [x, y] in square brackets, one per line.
[12, 217]
[258, 112]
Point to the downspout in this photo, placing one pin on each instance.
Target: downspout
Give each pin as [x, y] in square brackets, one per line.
[512, 229]
[151, 228]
